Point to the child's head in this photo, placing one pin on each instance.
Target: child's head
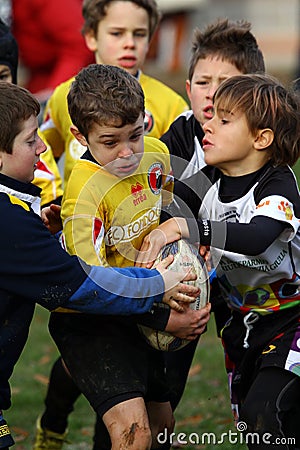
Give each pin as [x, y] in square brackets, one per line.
[222, 50]
[256, 119]
[119, 31]
[20, 145]
[106, 106]
[8, 55]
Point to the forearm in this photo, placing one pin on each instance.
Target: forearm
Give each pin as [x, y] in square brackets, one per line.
[174, 229]
[245, 238]
[107, 290]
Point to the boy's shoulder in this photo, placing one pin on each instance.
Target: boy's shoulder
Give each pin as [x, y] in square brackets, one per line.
[155, 145]
[156, 156]
[154, 86]
[82, 172]
[61, 91]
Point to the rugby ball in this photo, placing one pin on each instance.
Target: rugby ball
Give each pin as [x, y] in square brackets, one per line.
[186, 257]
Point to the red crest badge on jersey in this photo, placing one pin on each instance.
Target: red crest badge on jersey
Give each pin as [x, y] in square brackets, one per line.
[138, 194]
[148, 122]
[155, 173]
[136, 189]
[97, 233]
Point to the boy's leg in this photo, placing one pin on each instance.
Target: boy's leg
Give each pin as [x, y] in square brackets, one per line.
[162, 423]
[128, 425]
[178, 365]
[60, 398]
[101, 438]
[51, 427]
[161, 420]
[108, 361]
[272, 409]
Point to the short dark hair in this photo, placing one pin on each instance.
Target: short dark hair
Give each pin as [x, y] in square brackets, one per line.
[16, 106]
[230, 41]
[94, 11]
[105, 95]
[266, 103]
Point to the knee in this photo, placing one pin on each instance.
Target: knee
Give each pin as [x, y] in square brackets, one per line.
[135, 437]
[259, 416]
[163, 427]
[166, 427]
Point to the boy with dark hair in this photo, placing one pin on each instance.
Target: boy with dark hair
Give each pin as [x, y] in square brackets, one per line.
[249, 217]
[112, 200]
[223, 49]
[34, 267]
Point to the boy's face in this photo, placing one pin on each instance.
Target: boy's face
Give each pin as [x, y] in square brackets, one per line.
[5, 73]
[229, 145]
[122, 38]
[208, 75]
[118, 149]
[27, 147]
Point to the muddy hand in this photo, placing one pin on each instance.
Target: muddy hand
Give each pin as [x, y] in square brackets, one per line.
[189, 324]
[175, 290]
[150, 249]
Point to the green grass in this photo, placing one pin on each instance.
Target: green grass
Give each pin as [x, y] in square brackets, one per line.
[204, 407]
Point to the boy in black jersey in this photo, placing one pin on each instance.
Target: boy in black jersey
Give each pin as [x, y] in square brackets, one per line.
[223, 49]
[249, 216]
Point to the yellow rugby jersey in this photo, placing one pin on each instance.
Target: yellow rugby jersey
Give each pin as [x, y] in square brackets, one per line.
[105, 218]
[162, 106]
[47, 176]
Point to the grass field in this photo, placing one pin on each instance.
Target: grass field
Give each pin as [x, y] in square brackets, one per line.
[204, 408]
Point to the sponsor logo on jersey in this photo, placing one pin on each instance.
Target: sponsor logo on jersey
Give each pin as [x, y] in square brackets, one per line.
[285, 207]
[132, 230]
[148, 122]
[98, 233]
[269, 349]
[155, 173]
[138, 194]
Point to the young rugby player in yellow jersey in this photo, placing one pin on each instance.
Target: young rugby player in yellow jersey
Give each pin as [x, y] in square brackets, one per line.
[112, 200]
[119, 33]
[34, 267]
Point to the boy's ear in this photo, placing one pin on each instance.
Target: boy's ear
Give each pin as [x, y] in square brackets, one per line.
[188, 88]
[79, 136]
[263, 139]
[91, 41]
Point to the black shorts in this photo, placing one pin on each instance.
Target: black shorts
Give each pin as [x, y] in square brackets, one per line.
[272, 343]
[108, 359]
